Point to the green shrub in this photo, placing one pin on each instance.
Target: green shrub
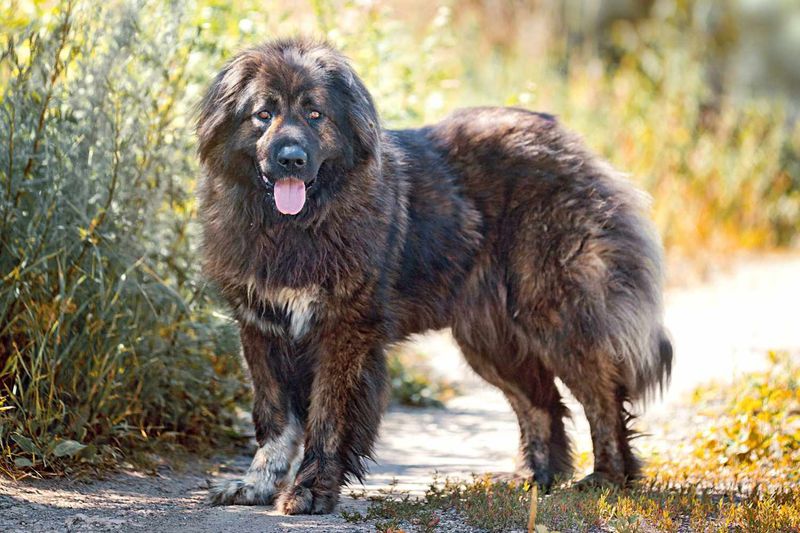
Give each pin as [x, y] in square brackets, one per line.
[107, 337]
[722, 169]
[411, 381]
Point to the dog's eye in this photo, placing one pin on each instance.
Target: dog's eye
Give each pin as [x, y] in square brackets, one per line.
[264, 115]
[314, 115]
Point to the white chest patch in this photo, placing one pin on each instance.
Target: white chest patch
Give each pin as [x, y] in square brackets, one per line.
[297, 305]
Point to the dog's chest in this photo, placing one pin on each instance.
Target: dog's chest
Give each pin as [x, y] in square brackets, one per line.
[281, 311]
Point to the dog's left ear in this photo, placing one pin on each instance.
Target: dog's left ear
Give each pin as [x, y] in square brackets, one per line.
[363, 119]
[362, 116]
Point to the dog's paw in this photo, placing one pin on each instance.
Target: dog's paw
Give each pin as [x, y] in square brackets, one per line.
[239, 492]
[302, 500]
[298, 500]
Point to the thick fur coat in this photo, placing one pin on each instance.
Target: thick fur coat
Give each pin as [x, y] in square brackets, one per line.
[331, 238]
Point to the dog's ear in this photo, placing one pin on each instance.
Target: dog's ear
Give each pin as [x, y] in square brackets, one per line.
[362, 117]
[220, 108]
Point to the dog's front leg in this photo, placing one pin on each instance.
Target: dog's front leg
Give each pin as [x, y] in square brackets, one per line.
[347, 400]
[278, 424]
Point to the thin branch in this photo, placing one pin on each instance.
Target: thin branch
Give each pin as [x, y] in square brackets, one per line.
[58, 68]
[9, 178]
[111, 190]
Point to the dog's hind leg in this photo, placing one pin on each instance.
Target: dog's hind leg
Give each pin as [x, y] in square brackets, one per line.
[531, 391]
[544, 443]
[595, 383]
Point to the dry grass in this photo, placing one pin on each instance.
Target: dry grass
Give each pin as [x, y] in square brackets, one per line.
[503, 506]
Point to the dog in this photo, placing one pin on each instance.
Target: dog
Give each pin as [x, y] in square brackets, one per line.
[331, 238]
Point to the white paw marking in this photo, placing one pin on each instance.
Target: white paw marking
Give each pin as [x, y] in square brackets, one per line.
[271, 466]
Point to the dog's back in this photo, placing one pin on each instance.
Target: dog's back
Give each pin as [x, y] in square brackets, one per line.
[565, 280]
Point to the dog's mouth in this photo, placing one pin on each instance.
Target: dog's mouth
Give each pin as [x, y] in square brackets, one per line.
[288, 193]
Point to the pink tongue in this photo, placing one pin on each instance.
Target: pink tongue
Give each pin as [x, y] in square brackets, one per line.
[290, 195]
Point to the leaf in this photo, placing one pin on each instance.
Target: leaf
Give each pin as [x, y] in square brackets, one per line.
[89, 453]
[67, 447]
[21, 462]
[25, 443]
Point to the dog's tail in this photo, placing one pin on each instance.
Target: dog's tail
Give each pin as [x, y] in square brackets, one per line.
[663, 359]
[653, 377]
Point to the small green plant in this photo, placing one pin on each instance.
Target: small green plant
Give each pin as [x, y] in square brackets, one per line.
[414, 386]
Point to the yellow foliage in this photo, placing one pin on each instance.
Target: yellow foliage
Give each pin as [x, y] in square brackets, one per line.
[749, 435]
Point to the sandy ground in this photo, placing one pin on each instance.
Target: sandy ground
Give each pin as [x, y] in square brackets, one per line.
[721, 328]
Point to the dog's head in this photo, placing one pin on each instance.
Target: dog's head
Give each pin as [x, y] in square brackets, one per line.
[290, 121]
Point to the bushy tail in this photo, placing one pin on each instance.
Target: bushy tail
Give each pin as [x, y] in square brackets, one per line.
[664, 361]
[655, 377]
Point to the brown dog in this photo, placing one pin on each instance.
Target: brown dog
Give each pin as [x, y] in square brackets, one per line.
[331, 237]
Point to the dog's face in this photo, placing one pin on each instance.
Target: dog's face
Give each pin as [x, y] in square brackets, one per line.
[289, 122]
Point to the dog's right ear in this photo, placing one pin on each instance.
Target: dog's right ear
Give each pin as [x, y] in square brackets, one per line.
[221, 107]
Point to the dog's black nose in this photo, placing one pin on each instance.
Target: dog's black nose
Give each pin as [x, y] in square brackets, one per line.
[292, 157]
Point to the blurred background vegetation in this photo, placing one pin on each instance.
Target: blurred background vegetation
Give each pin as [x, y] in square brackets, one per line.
[110, 342]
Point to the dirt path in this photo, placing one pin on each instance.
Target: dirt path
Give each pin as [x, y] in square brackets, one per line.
[720, 329]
